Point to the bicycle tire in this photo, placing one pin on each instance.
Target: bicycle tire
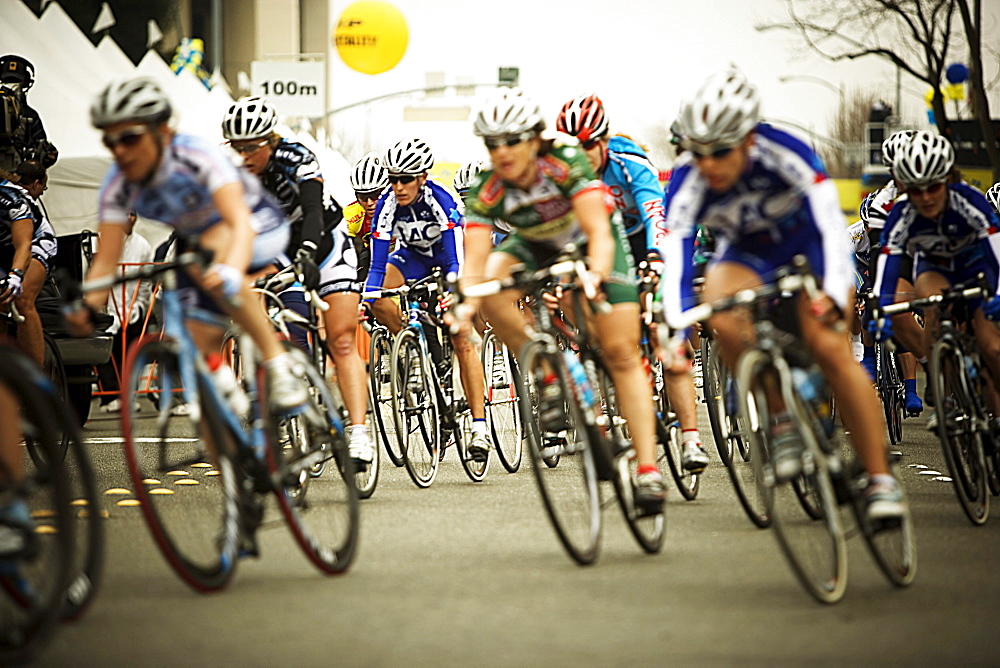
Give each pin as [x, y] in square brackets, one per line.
[729, 436]
[569, 491]
[33, 590]
[56, 372]
[962, 448]
[991, 457]
[380, 389]
[502, 407]
[416, 411]
[889, 384]
[198, 537]
[815, 550]
[669, 432]
[462, 434]
[367, 480]
[323, 518]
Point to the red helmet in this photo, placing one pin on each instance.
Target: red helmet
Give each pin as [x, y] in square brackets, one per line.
[584, 118]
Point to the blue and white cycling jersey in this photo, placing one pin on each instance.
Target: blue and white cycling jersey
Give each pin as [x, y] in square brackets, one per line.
[784, 204]
[181, 190]
[634, 184]
[963, 240]
[426, 227]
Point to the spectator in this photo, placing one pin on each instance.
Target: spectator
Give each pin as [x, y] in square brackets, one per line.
[29, 141]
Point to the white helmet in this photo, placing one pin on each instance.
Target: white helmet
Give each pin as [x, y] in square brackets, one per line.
[926, 158]
[466, 175]
[723, 111]
[892, 144]
[249, 118]
[138, 99]
[408, 156]
[993, 195]
[368, 174]
[508, 111]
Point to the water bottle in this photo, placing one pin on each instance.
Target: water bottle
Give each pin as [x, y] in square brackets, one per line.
[225, 381]
[805, 383]
[809, 384]
[970, 369]
[580, 379]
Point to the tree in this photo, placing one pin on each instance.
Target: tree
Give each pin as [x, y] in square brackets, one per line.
[915, 35]
[846, 157]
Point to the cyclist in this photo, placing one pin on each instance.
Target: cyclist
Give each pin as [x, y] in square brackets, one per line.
[195, 188]
[422, 216]
[634, 184]
[952, 231]
[550, 196]
[27, 246]
[369, 179]
[993, 196]
[319, 242]
[767, 198]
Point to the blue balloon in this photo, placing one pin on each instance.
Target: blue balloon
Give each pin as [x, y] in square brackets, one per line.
[956, 73]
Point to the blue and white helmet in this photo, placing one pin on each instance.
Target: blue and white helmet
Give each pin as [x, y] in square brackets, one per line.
[466, 175]
[723, 111]
[993, 196]
[408, 156]
[925, 158]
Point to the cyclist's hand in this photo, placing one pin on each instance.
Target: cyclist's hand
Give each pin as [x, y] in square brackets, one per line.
[991, 308]
[459, 319]
[880, 328]
[224, 278]
[445, 301]
[551, 299]
[79, 319]
[306, 268]
[11, 289]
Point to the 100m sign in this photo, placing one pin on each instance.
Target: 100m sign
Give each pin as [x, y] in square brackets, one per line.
[294, 89]
[288, 88]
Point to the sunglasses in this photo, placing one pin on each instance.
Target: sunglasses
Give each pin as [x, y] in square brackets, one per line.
[367, 196]
[493, 143]
[128, 137]
[717, 154]
[248, 147]
[589, 144]
[932, 189]
[402, 178]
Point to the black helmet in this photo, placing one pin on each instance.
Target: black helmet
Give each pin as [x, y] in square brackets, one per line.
[15, 69]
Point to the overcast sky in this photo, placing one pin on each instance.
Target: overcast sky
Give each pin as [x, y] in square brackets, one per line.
[640, 56]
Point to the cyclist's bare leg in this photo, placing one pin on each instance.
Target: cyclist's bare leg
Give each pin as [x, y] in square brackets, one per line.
[683, 396]
[386, 310]
[929, 283]
[502, 308]
[11, 471]
[341, 324]
[732, 330]
[618, 333]
[988, 342]
[905, 328]
[29, 333]
[470, 367]
[908, 363]
[828, 340]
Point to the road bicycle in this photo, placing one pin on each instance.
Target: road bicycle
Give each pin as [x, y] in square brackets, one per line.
[60, 572]
[570, 464]
[380, 390]
[958, 386]
[503, 416]
[804, 512]
[201, 471]
[428, 413]
[292, 430]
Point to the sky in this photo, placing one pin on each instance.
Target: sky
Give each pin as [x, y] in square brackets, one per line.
[641, 56]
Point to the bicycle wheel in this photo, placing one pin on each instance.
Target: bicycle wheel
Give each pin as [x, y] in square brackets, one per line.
[501, 402]
[33, 586]
[957, 429]
[321, 510]
[889, 384]
[815, 549]
[569, 491]
[892, 544]
[415, 409]
[189, 495]
[461, 435]
[380, 384]
[669, 437]
[367, 480]
[729, 435]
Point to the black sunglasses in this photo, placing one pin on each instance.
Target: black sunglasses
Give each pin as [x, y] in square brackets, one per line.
[589, 144]
[493, 143]
[402, 178]
[367, 196]
[128, 137]
[717, 154]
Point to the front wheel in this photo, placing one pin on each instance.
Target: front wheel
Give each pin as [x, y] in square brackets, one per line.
[502, 415]
[415, 409]
[380, 389]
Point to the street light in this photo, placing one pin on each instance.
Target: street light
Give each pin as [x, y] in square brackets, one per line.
[839, 90]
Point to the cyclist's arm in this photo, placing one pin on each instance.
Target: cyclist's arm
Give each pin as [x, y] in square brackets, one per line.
[21, 233]
[592, 212]
[232, 237]
[887, 264]
[648, 197]
[449, 260]
[311, 200]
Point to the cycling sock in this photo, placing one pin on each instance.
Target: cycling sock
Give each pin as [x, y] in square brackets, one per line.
[282, 360]
[882, 479]
[911, 385]
[690, 436]
[479, 425]
[868, 361]
[648, 468]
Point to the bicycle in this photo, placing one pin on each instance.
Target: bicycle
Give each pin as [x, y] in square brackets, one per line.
[203, 534]
[58, 573]
[292, 429]
[380, 390]
[804, 512]
[570, 464]
[426, 409]
[502, 406]
[958, 386]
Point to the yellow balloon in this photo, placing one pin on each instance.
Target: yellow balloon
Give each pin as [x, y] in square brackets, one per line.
[371, 36]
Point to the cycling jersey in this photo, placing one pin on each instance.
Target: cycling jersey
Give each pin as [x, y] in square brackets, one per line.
[17, 204]
[180, 191]
[783, 205]
[881, 205]
[959, 244]
[857, 235]
[424, 228]
[635, 187]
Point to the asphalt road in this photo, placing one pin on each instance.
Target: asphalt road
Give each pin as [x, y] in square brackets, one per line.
[472, 574]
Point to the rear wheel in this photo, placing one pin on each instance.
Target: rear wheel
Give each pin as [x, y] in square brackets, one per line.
[892, 544]
[958, 431]
[815, 549]
[380, 384]
[569, 491]
[415, 409]
[462, 435]
[890, 388]
[502, 413]
[669, 431]
[188, 494]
